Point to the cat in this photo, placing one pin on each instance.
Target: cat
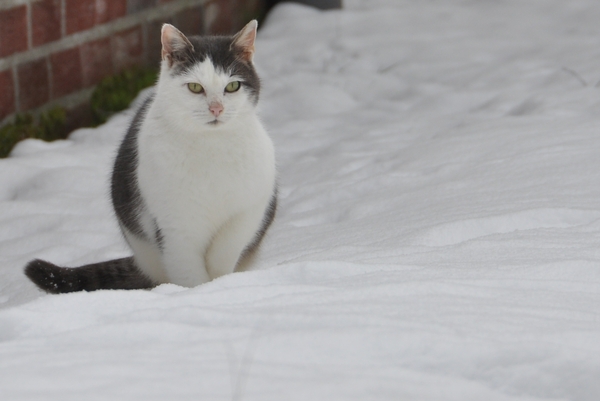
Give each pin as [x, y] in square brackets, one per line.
[194, 181]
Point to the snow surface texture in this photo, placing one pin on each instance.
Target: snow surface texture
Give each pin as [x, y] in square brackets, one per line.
[438, 236]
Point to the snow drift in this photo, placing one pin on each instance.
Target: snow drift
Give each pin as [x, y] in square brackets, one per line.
[437, 238]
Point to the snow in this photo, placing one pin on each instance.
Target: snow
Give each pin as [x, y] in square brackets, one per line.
[437, 237]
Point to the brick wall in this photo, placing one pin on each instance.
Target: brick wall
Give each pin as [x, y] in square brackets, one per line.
[53, 52]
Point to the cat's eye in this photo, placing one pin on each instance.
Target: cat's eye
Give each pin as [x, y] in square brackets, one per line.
[195, 87]
[233, 86]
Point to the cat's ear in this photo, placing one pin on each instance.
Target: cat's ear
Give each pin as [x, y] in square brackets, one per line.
[243, 41]
[175, 46]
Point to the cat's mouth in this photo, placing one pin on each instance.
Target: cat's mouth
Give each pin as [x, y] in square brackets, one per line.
[215, 122]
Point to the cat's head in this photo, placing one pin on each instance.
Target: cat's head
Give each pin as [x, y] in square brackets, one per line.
[208, 80]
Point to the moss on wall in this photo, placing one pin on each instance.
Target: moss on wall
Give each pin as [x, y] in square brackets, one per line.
[48, 127]
[116, 92]
[113, 94]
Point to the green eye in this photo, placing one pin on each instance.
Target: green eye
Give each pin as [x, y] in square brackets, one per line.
[233, 86]
[195, 87]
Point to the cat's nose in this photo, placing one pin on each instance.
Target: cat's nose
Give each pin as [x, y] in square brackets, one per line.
[216, 109]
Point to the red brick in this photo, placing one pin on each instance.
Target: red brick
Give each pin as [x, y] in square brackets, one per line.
[80, 15]
[223, 23]
[114, 9]
[134, 6]
[13, 30]
[66, 72]
[127, 48]
[34, 90]
[7, 94]
[96, 60]
[154, 46]
[190, 21]
[84, 14]
[45, 21]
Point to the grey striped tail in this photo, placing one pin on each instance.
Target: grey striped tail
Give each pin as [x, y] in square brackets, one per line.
[117, 274]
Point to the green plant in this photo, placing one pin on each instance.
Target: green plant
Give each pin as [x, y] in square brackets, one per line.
[112, 95]
[48, 127]
[52, 124]
[116, 92]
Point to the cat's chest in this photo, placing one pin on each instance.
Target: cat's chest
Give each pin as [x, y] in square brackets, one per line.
[210, 172]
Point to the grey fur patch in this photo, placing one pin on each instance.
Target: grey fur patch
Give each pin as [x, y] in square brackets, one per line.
[224, 57]
[268, 218]
[158, 236]
[125, 192]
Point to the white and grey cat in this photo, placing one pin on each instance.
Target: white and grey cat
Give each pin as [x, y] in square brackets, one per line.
[193, 185]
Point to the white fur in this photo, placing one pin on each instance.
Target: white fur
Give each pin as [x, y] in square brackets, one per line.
[207, 185]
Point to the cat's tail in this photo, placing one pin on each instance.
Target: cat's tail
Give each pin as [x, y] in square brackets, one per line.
[117, 274]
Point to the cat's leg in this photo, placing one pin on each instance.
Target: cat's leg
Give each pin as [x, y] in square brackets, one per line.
[147, 257]
[183, 262]
[231, 240]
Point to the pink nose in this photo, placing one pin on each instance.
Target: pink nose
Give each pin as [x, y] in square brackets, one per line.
[216, 109]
